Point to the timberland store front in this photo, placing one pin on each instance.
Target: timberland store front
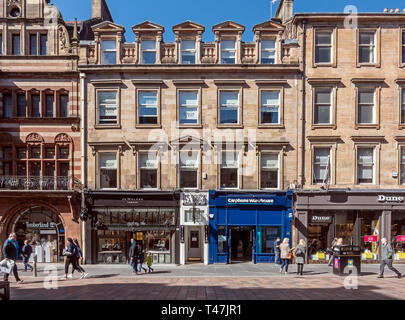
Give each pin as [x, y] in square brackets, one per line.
[360, 218]
[151, 218]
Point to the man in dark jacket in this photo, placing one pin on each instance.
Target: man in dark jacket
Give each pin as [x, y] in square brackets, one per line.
[26, 254]
[133, 256]
[387, 255]
[10, 252]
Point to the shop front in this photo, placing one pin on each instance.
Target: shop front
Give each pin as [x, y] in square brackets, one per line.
[150, 218]
[243, 226]
[360, 218]
[194, 228]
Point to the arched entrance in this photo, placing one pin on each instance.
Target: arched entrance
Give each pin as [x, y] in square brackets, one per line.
[44, 231]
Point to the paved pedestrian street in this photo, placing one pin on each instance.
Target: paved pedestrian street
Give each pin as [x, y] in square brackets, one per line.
[219, 282]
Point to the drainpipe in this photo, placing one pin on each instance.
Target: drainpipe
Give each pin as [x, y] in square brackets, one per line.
[83, 138]
[303, 115]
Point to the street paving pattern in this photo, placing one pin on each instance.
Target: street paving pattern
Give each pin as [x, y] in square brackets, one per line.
[215, 282]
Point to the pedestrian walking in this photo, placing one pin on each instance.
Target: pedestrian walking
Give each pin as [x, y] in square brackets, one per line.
[277, 251]
[11, 254]
[26, 254]
[330, 251]
[133, 256]
[387, 256]
[79, 255]
[71, 258]
[141, 259]
[285, 255]
[300, 256]
[149, 262]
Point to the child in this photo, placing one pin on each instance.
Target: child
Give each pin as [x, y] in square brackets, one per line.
[149, 262]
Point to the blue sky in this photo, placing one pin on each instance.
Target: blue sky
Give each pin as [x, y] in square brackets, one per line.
[208, 12]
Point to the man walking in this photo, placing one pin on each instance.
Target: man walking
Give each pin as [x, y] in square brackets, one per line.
[387, 255]
[277, 251]
[10, 252]
[133, 256]
[26, 254]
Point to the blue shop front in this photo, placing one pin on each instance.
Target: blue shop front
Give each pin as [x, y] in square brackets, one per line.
[244, 226]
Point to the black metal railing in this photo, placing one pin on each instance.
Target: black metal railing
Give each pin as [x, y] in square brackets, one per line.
[38, 183]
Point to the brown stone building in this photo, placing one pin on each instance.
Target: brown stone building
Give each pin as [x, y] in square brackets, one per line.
[351, 135]
[167, 117]
[40, 149]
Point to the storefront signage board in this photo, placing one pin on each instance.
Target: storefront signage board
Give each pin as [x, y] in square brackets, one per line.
[383, 198]
[258, 201]
[321, 219]
[370, 238]
[400, 238]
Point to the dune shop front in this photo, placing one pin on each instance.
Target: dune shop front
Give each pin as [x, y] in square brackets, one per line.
[151, 218]
[243, 226]
[359, 217]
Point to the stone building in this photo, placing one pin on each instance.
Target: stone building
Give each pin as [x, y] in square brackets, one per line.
[40, 147]
[352, 151]
[163, 118]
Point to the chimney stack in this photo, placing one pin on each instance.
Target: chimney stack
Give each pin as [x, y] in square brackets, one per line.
[99, 9]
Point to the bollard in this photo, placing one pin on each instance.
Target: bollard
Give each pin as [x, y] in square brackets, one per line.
[35, 266]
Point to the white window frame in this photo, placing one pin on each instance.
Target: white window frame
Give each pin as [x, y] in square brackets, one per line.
[139, 106]
[401, 164]
[229, 50]
[262, 104]
[108, 50]
[372, 46]
[316, 105]
[180, 106]
[359, 91]
[227, 106]
[263, 154]
[270, 50]
[99, 123]
[193, 51]
[99, 157]
[236, 153]
[330, 46]
[140, 168]
[187, 168]
[314, 163]
[373, 165]
[148, 50]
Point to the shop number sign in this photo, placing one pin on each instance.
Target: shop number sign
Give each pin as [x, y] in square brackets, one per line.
[370, 238]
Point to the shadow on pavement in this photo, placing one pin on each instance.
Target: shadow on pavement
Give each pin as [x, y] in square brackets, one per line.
[102, 276]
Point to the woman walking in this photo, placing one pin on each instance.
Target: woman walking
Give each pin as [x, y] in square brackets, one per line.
[300, 256]
[79, 254]
[71, 258]
[285, 255]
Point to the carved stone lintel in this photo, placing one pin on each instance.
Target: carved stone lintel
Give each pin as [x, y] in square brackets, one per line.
[34, 138]
[63, 138]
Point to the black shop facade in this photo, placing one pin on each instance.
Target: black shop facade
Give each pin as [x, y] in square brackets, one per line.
[150, 218]
[359, 217]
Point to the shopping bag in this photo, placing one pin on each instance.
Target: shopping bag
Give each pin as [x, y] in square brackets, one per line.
[6, 266]
[321, 255]
[401, 255]
[368, 255]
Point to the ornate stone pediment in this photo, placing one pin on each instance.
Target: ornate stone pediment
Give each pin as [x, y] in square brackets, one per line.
[148, 27]
[63, 40]
[63, 138]
[108, 26]
[188, 26]
[34, 138]
[268, 26]
[228, 26]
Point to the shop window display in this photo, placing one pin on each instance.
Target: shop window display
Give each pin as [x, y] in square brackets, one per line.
[398, 235]
[266, 238]
[221, 240]
[369, 235]
[44, 232]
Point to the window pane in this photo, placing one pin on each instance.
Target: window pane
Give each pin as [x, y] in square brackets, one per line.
[63, 153]
[64, 169]
[50, 104]
[1, 44]
[21, 153]
[188, 107]
[44, 44]
[7, 153]
[229, 160]
[21, 105]
[50, 153]
[269, 161]
[148, 45]
[188, 58]
[148, 110]
[323, 54]
[229, 107]
[324, 38]
[33, 45]
[148, 57]
[228, 45]
[64, 105]
[188, 159]
[16, 45]
[269, 179]
[366, 97]
[35, 106]
[321, 162]
[36, 153]
[188, 45]
[108, 45]
[367, 38]
[268, 44]
[403, 107]
[188, 178]
[322, 97]
[21, 169]
[109, 57]
[228, 51]
[148, 160]
[148, 179]
[107, 101]
[322, 115]
[228, 57]
[366, 114]
[268, 57]
[229, 178]
[8, 105]
[222, 247]
[270, 106]
[366, 55]
[108, 160]
[108, 170]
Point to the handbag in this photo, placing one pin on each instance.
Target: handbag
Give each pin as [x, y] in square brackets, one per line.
[289, 256]
[67, 253]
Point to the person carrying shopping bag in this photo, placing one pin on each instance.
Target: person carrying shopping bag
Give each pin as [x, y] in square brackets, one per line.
[10, 254]
[285, 255]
